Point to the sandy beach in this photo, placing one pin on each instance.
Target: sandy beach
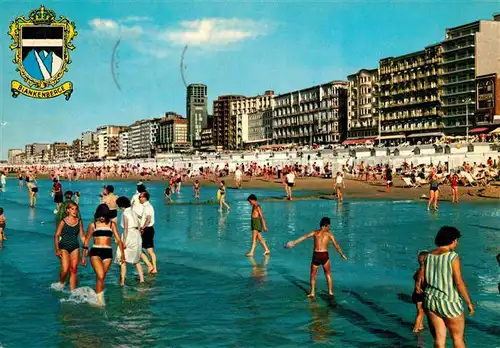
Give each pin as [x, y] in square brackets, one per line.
[323, 188]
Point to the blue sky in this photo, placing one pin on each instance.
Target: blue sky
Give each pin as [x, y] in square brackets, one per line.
[233, 47]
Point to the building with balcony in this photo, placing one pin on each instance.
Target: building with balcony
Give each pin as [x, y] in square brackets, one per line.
[59, 152]
[223, 128]
[206, 140]
[260, 128]
[362, 106]
[469, 50]
[19, 158]
[487, 115]
[37, 152]
[90, 146]
[240, 109]
[312, 115]
[76, 150]
[123, 144]
[142, 138]
[108, 137]
[172, 135]
[409, 103]
[12, 153]
[196, 111]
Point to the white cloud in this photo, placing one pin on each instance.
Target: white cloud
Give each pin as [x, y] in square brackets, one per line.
[207, 33]
[213, 32]
[114, 29]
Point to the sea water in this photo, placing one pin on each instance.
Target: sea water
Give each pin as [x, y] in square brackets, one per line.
[208, 294]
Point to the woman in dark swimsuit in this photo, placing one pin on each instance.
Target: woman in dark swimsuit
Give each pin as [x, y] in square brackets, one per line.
[101, 254]
[68, 246]
[434, 191]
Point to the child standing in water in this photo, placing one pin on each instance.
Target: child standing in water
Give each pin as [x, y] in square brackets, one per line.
[418, 299]
[258, 223]
[322, 238]
[2, 226]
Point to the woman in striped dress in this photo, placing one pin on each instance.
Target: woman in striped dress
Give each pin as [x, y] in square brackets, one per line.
[445, 289]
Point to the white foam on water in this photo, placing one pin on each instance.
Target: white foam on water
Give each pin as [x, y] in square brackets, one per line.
[57, 287]
[81, 295]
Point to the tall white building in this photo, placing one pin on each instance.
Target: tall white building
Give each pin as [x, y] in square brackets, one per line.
[142, 138]
[108, 140]
[123, 144]
[240, 109]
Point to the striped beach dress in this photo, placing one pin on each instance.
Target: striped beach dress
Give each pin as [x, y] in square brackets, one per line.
[441, 295]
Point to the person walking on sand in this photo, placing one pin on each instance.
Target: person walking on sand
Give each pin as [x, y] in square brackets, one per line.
[444, 289]
[434, 191]
[258, 224]
[67, 244]
[131, 239]
[322, 238]
[454, 188]
[148, 232]
[221, 196]
[339, 186]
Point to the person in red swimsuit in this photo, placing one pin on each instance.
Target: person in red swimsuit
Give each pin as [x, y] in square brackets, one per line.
[454, 188]
[322, 238]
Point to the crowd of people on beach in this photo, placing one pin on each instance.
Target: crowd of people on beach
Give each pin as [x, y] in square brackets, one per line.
[439, 286]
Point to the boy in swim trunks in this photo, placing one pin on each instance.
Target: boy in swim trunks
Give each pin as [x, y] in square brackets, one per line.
[258, 223]
[2, 226]
[196, 188]
[322, 238]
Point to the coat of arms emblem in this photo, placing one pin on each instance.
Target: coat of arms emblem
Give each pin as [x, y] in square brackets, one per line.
[41, 45]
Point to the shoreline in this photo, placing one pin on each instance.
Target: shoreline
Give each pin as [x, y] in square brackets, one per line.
[323, 188]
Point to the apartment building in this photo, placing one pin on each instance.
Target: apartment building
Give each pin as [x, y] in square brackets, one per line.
[239, 111]
[12, 153]
[36, 152]
[109, 142]
[59, 152]
[260, 128]
[315, 115]
[90, 146]
[142, 138]
[362, 107]
[409, 102]
[196, 111]
[206, 139]
[123, 143]
[222, 130]
[76, 150]
[469, 51]
[172, 135]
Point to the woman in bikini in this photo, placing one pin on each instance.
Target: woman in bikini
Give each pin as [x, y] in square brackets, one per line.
[101, 254]
[67, 245]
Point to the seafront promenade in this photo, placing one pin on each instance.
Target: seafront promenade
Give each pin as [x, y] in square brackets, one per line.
[455, 154]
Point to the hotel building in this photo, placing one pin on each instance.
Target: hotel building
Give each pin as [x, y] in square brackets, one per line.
[409, 103]
[469, 51]
[312, 115]
[240, 109]
[222, 130]
[196, 111]
[12, 153]
[172, 133]
[142, 138]
[109, 142]
[362, 107]
[260, 128]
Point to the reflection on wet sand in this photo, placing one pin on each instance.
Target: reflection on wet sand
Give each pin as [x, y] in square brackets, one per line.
[319, 327]
[259, 272]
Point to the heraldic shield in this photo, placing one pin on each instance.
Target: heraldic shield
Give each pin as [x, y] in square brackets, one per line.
[42, 44]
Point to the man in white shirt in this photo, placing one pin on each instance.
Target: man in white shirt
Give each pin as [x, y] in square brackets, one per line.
[134, 202]
[290, 182]
[148, 232]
